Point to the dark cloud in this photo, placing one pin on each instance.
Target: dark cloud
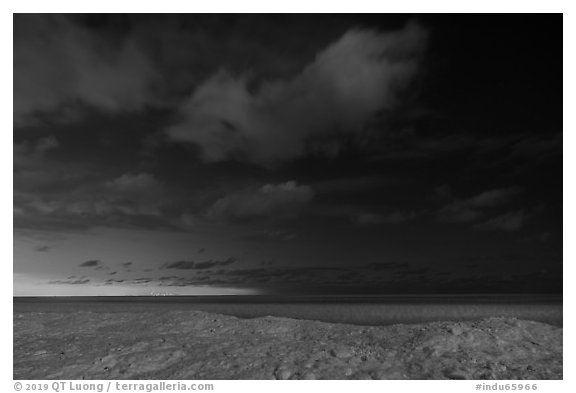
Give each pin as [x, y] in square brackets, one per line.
[443, 192]
[347, 83]
[272, 235]
[474, 208]
[29, 152]
[185, 129]
[347, 185]
[187, 265]
[31, 173]
[369, 219]
[280, 234]
[509, 222]
[297, 276]
[280, 200]
[545, 236]
[128, 200]
[134, 183]
[58, 64]
[389, 218]
[91, 263]
[45, 191]
[538, 147]
[433, 144]
[142, 280]
[102, 267]
[168, 278]
[70, 282]
[506, 154]
[211, 263]
[385, 266]
[378, 277]
[490, 198]
[111, 281]
[127, 195]
[179, 265]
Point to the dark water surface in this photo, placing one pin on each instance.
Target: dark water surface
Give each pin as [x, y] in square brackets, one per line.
[360, 310]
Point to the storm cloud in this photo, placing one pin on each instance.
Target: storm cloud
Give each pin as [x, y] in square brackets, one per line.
[91, 263]
[359, 152]
[79, 281]
[134, 183]
[59, 64]
[346, 84]
[473, 208]
[283, 199]
[509, 222]
[192, 265]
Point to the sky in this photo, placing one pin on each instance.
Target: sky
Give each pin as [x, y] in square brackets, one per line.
[287, 154]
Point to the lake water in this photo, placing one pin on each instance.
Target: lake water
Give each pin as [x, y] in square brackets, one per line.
[360, 310]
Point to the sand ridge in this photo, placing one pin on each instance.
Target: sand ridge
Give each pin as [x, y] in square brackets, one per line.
[201, 345]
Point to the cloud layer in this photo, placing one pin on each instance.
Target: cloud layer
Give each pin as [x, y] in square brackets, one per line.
[279, 200]
[58, 64]
[188, 265]
[91, 263]
[129, 199]
[346, 84]
[508, 222]
[467, 210]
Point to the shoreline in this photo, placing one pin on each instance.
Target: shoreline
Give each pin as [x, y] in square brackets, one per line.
[379, 312]
[198, 345]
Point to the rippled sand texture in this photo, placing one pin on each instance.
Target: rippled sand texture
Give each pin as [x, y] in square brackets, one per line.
[200, 345]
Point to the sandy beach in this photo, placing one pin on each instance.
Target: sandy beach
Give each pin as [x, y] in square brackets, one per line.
[200, 345]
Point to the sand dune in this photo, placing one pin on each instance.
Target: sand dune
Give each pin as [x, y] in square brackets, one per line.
[200, 345]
